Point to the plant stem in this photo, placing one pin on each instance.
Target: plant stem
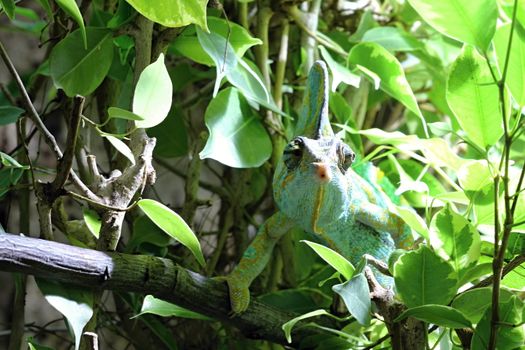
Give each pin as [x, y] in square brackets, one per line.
[499, 250]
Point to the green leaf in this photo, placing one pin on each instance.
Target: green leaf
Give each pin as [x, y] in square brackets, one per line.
[121, 147]
[9, 8]
[173, 13]
[440, 315]
[412, 219]
[76, 304]
[356, 295]
[237, 136]
[416, 273]
[516, 63]
[457, 238]
[340, 73]
[238, 72]
[34, 346]
[152, 305]
[9, 114]
[146, 232]
[288, 326]
[472, 22]
[78, 70]
[473, 176]
[377, 59]
[70, 7]
[239, 38]
[115, 112]
[171, 135]
[336, 260]
[92, 221]
[153, 94]
[473, 97]
[508, 337]
[171, 223]
[393, 39]
[473, 303]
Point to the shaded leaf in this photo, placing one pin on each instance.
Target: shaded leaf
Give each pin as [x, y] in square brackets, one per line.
[416, 273]
[9, 114]
[115, 112]
[356, 295]
[440, 315]
[79, 70]
[473, 303]
[340, 73]
[508, 337]
[237, 136]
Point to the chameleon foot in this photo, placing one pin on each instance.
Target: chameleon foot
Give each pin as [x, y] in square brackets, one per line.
[239, 297]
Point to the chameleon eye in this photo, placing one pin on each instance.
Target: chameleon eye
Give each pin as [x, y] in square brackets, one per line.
[346, 157]
[293, 153]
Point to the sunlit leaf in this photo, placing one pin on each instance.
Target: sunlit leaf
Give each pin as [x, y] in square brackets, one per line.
[456, 238]
[340, 73]
[71, 8]
[152, 305]
[121, 147]
[473, 97]
[92, 221]
[115, 112]
[171, 223]
[173, 13]
[9, 8]
[472, 22]
[76, 304]
[153, 94]
[336, 260]
[393, 81]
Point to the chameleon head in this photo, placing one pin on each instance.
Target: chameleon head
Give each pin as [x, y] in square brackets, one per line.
[309, 182]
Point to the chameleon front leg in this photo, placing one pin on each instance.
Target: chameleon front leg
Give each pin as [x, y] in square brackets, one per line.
[381, 219]
[254, 260]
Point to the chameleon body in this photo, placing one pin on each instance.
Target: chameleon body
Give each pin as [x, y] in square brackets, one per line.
[315, 189]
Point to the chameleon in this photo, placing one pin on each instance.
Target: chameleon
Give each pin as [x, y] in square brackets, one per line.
[315, 188]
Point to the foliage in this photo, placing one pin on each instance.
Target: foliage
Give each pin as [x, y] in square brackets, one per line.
[431, 92]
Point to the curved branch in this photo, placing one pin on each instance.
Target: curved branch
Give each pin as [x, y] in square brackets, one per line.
[142, 274]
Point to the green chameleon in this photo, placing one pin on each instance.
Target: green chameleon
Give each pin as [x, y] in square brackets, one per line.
[315, 189]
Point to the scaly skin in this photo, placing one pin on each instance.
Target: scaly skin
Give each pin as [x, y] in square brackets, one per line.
[316, 190]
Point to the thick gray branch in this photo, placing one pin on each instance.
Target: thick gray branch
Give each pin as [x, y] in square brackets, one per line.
[142, 274]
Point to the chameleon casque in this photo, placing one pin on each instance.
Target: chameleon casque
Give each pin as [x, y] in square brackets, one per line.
[315, 189]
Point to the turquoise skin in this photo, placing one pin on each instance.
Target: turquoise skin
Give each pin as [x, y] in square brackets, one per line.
[315, 189]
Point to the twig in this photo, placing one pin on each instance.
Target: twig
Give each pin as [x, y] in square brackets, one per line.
[33, 115]
[66, 162]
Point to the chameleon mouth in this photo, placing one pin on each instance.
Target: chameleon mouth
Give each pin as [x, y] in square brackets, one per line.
[322, 171]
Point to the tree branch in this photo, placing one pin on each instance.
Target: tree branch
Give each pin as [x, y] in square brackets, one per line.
[146, 275]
